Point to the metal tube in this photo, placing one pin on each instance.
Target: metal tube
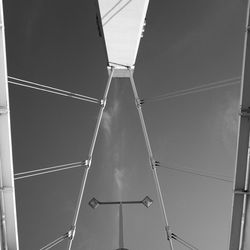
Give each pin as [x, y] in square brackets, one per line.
[47, 172]
[54, 92]
[184, 243]
[8, 220]
[3, 241]
[144, 129]
[242, 147]
[121, 241]
[79, 201]
[245, 201]
[48, 168]
[157, 184]
[91, 150]
[119, 202]
[58, 90]
[55, 242]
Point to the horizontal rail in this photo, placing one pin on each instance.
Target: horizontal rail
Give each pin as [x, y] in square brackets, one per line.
[119, 202]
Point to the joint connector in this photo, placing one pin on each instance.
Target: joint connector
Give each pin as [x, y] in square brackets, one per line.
[131, 68]
[157, 164]
[174, 236]
[3, 110]
[154, 163]
[245, 112]
[83, 164]
[87, 163]
[244, 192]
[139, 103]
[110, 67]
[103, 103]
[71, 233]
[169, 232]
[143, 28]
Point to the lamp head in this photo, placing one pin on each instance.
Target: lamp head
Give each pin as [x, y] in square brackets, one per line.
[94, 203]
[147, 202]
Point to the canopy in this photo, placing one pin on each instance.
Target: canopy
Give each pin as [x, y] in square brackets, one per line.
[122, 23]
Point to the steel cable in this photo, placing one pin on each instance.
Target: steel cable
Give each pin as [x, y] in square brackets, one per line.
[41, 87]
[199, 173]
[201, 88]
[48, 170]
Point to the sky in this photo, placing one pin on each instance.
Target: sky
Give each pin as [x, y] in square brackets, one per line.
[186, 44]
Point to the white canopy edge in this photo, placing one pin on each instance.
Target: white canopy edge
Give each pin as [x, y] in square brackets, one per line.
[122, 23]
[8, 222]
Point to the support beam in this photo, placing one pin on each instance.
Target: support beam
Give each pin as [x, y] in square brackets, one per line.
[8, 221]
[121, 241]
[91, 151]
[240, 200]
[152, 162]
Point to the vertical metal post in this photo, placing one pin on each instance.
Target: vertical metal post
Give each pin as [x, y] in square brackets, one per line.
[151, 160]
[121, 241]
[3, 238]
[91, 150]
[8, 227]
[245, 200]
[241, 173]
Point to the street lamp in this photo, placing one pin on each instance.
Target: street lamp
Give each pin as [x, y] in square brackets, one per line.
[94, 203]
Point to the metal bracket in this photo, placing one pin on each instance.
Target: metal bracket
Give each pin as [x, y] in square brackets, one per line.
[87, 163]
[131, 68]
[103, 103]
[174, 236]
[245, 112]
[169, 232]
[139, 102]
[244, 192]
[143, 28]
[71, 233]
[154, 163]
[3, 110]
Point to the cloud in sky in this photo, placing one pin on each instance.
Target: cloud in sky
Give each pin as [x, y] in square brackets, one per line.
[119, 179]
[108, 119]
[106, 122]
[226, 121]
[230, 123]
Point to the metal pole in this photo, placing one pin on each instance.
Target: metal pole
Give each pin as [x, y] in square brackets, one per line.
[245, 200]
[118, 202]
[8, 220]
[151, 160]
[121, 241]
[240, 179]
[3, 245]
[79, 201]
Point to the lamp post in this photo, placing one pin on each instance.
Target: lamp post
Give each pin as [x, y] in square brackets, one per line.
[94, 203]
